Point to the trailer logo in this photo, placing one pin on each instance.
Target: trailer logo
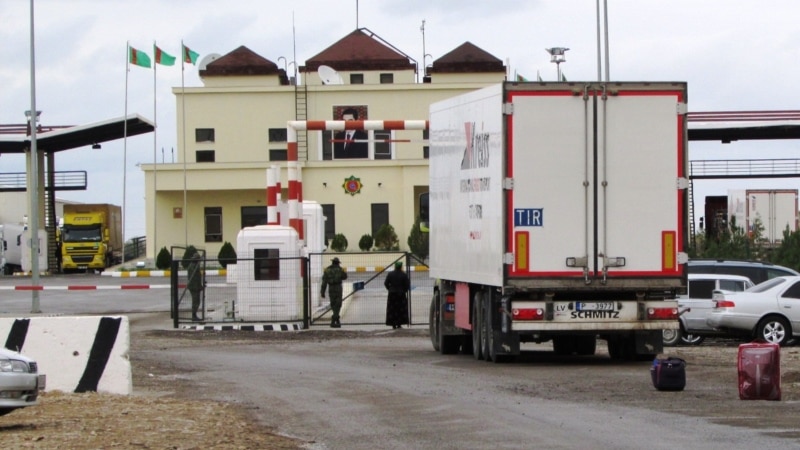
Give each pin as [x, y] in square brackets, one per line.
[476, 153]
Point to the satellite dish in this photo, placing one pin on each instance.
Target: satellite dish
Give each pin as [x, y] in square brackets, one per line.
[329, 76]
[209, 58]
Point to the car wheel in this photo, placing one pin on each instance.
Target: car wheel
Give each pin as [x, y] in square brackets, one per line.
[691, 339]
[672, 337]
[774, 329]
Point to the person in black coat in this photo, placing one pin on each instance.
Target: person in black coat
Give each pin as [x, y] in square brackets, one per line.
[398, 285]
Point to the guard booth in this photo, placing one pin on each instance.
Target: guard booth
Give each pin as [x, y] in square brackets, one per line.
[269, 274]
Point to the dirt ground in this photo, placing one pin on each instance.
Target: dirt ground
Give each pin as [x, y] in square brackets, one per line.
[159, 415]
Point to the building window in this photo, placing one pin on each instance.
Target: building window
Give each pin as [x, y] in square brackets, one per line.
[267, 264]
[279, 155]
[254, 215]
[383, 144]
[356, 78]
[204, 135]
[277, 134]
[213, 223]
[204, 156]
[426, 149]
[329, 211]
[327, 145]
[380, 216]
[387, 78]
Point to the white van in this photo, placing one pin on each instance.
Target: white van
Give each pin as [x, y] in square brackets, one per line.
[697, 304]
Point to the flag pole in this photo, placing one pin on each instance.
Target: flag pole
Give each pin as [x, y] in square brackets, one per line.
[125, 144]
[155, 166]
[183, 126]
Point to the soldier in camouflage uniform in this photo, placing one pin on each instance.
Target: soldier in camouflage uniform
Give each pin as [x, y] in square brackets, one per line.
[332, 277]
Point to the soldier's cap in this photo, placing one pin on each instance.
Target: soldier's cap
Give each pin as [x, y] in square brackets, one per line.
[335, 260]
[398, 264]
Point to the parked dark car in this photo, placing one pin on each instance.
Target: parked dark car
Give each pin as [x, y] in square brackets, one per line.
[757, 271]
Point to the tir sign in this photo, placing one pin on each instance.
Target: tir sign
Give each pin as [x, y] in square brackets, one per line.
[528, 217]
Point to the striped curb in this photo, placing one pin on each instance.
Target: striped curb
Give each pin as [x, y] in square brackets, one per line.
[84, 288]
[78, 354]
[248, 327]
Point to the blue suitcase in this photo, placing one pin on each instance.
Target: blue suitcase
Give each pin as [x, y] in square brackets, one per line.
[668, 374]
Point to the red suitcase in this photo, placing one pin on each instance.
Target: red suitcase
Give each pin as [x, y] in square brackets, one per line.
[759, 365]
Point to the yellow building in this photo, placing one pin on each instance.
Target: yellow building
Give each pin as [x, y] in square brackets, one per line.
[233, 128]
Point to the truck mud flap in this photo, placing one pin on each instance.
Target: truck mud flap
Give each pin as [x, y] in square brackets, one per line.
[505, 343]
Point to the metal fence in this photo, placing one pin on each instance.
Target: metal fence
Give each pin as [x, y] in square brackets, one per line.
[364, 296]
[280, 290]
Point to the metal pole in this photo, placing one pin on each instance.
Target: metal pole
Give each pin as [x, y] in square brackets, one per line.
[33, 223]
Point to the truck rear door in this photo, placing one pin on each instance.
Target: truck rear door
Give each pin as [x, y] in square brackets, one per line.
[595, 172]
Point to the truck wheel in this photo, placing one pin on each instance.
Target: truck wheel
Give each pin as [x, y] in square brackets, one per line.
[446, 345]
[466, 344]
[433, 322]
[486, 331]
[563, 345]
[477, 320]
[493, 356]
[585, 345]
[622, 348]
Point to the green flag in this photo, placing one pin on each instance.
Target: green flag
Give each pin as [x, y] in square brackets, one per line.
[563, 77]
[189, 56]
[162, 57]
[138, 58]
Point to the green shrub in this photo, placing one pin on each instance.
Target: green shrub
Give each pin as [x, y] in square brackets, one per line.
[386, 238]
[365, 243]
[164, 259]
[227, 255]
[339, 243]
[187, 255]
[418, 241]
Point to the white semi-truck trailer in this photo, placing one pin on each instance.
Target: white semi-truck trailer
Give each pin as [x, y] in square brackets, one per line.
[558, 212]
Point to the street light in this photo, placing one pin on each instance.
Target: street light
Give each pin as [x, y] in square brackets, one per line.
[28, 119]
[557, 56]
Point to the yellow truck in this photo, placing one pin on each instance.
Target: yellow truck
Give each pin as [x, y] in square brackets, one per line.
[90, 237]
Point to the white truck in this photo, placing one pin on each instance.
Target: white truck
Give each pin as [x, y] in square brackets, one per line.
[12, 238]
[776, 209]
[558, 212]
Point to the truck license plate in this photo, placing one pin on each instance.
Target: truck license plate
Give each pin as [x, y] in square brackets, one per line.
[594, 306]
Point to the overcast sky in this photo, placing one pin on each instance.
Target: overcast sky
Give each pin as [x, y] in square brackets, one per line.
[742, 55]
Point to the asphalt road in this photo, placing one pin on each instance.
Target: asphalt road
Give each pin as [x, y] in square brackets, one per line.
[391, 391]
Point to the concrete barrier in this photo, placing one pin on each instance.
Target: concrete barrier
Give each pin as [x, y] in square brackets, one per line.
[77, 353]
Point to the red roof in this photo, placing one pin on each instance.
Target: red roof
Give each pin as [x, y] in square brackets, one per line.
[467, 58]
[243, 61]
[360, 50]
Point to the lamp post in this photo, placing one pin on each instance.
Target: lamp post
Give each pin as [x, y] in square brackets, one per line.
[557, 56]
[33, 183]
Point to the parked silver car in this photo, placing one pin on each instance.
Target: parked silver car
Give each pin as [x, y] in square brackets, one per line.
[20, 381]
[697, 305]
[768, 311]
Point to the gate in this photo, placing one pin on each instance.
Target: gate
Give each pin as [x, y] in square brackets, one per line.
[187, 305]
[363, 294]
